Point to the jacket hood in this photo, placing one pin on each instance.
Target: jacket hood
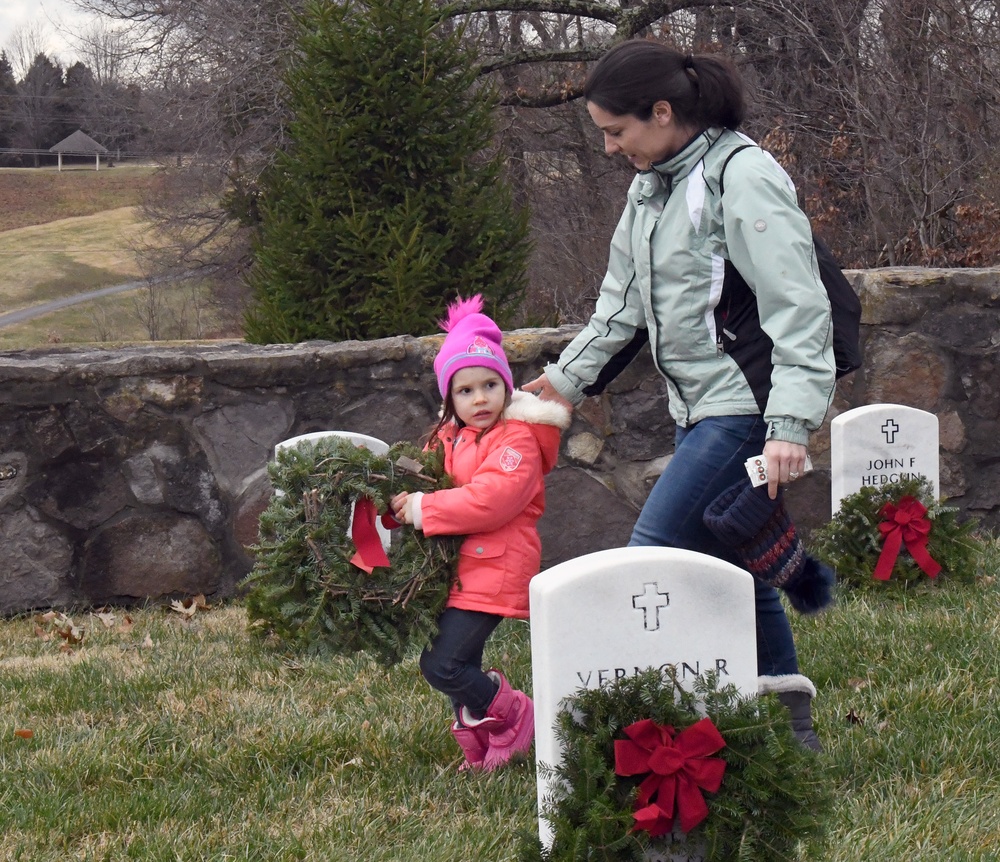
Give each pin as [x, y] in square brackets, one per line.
[546, 419]
[526, 407]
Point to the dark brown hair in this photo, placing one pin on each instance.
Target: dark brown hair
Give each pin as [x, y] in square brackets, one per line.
[702, 89]
[448, 415]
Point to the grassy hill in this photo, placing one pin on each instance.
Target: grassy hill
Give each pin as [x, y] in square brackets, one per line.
[38, 196]
[66, 233]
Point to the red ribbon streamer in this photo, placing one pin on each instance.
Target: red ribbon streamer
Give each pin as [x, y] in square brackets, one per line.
[368, 544]
[906, 522]
[679, 769]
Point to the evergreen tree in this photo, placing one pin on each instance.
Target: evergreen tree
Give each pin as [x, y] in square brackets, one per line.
[385, 206]
[8, 96]
[40, 109]
[78, 96]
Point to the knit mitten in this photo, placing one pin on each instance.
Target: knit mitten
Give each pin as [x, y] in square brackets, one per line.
[758, 528]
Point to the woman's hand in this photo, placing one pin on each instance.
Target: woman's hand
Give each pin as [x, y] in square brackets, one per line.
[541, 387]
[785, 463]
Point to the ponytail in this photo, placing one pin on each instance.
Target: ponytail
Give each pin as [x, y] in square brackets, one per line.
[702, 89]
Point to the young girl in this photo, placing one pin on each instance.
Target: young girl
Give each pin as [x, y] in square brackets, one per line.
[498, 446]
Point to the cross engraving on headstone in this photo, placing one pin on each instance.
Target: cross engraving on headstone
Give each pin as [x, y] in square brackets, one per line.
[889, 428]
[650, 600]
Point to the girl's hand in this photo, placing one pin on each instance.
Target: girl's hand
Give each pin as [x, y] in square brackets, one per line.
[398, 504]
[785, 463]
[541, 387]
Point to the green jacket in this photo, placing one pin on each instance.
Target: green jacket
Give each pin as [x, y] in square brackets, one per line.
[666, 282]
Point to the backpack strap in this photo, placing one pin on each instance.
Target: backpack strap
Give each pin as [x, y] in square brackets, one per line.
[845, 306]
[725, 164]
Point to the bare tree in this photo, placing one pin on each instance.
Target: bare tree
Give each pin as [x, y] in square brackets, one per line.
[109, 54]
[40, 115]
[573, 192]
[884, 112]
[211, 77]
[880, 110]
[27, 41]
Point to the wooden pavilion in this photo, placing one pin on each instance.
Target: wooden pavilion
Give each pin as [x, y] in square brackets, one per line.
[79, 144]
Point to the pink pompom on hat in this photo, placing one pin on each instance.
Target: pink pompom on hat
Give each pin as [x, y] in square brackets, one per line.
[473, 341]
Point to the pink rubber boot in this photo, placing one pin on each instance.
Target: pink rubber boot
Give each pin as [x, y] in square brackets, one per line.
[473, 737]
[513, 727]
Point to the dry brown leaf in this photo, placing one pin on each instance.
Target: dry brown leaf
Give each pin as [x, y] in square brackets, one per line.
[126, 625]
[41, 633]
[409, 465]
[71, 633]
[24, 733]
[853, 718]
[200, 603]
[186, 608]
[107, 619]
[148, 642]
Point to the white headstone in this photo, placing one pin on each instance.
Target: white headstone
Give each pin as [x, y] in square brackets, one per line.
[880, 443]
[376, 446]
[611, 614]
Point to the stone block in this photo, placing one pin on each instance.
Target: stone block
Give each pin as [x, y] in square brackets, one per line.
[150, 557]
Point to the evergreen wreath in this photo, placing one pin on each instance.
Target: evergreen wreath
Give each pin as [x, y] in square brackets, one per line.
[774, 793]
[852, 542]
[304, 587]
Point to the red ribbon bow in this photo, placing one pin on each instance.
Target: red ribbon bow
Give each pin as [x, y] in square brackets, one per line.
[677, 765]
[367, 542]
[904, 523]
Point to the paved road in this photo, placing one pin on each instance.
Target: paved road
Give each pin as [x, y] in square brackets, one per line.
[19, 316]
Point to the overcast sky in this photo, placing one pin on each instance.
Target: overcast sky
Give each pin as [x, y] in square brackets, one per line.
[55, 17]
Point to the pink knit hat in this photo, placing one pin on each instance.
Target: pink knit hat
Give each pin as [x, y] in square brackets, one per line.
[473, 341]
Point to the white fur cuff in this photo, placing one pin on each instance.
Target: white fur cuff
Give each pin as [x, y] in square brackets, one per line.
[417, 511]
[785, 682]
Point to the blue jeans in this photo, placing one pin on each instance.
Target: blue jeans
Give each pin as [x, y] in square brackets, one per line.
[708, 458]
[453, 663]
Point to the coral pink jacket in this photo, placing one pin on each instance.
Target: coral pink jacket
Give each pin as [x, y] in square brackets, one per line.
[500, 496]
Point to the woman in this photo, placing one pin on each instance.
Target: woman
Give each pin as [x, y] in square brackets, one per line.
[747, 373]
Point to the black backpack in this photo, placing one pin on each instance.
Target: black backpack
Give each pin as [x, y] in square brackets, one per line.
[844, 302]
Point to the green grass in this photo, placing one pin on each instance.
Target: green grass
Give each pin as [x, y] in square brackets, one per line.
[183, 312]
[168, 739]
[69, 256]
[70, 233]
[204, 744]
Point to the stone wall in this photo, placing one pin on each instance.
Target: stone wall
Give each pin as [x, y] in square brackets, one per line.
[139, 472]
